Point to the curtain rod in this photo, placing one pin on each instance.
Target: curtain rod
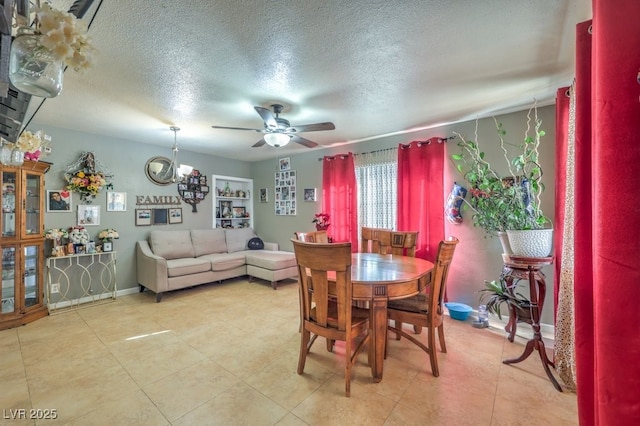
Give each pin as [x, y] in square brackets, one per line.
[440, 140]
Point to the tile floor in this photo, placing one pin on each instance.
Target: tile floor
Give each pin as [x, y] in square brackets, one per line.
[227, 354]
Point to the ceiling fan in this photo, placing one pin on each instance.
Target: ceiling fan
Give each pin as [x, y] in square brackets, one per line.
[278, 131]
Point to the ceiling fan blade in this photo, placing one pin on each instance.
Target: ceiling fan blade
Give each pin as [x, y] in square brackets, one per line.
[311, 127]
[267, 116]
[259, 143]
[303, 141]
[238, 128]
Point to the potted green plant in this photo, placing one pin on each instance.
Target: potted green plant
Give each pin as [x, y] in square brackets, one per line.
[512, 202]
[495, 294]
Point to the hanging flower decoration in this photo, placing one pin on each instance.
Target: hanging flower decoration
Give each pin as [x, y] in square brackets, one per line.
[34, 145]
[108, 235]
[83, 178]
[64, 36]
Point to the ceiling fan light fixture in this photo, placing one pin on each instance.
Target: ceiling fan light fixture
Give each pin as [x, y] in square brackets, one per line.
[277, 140]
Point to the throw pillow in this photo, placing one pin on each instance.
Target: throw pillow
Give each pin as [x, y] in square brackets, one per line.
[255, 244]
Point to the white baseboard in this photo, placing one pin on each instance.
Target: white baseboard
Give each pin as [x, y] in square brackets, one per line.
[524, 330]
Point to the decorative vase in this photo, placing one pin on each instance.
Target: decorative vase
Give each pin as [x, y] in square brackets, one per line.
[17, 157]
[531, 242]
[32, 67]
[322, 227]
[5, 154]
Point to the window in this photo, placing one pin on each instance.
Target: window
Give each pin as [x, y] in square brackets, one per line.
[377, 176]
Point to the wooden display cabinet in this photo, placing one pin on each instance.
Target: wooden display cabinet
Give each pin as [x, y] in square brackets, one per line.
[22, 243]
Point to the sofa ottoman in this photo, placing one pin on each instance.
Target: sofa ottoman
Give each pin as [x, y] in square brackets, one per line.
[271, 266]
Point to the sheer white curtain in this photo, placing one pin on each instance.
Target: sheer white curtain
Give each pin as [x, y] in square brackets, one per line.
[377, 177]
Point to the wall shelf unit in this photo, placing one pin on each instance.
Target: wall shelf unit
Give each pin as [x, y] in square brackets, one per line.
[232, 202]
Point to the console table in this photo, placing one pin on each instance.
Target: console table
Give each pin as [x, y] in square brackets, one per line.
[529, 269]
[79, 279]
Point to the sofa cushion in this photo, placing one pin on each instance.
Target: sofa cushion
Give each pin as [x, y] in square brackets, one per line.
[171, 244]
[272, 260]
[207, 241]
[224, 261]
[187, 266]
[237, 239]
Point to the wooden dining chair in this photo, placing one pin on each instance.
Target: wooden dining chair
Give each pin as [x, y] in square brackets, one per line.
[370, 240]
[312, 237]
[426, 309]
[327, 309]
[402, 243]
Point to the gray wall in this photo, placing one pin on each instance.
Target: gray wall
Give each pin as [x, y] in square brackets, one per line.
[126, 161]
[478, 257]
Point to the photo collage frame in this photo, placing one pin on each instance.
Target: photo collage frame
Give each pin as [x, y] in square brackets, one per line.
[285, 193]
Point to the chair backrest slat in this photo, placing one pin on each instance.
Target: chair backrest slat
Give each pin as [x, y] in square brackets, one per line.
[440, 273]
[370, 239]
[312, 237]
[402, 243]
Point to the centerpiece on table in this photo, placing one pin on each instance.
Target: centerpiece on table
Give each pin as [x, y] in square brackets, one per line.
[509, 203]
[106, 235]
[321, 221]
[40, 52]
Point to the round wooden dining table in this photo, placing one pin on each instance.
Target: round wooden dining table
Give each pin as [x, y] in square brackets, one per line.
[377, 278]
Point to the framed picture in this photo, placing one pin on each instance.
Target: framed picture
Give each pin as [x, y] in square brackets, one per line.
[188, 195]
[160, 216]
[285, 163]
[226, 209]
[199, 195]
[90, 247]
[182, 187]
[107, 246]
[264, 195]
[310, 194]
[58, 200]
[239, 211]
[204, 188]
[116, 201]
[175, 215]
[88, 215]
[143, 217]
[226, 224]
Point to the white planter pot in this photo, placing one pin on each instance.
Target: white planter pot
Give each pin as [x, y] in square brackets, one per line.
[531, 243]
[504, 241]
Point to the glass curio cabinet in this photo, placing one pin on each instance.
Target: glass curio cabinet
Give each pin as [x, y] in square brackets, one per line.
[22, 243]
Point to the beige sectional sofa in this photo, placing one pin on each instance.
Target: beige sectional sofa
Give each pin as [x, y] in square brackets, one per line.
[172, 260]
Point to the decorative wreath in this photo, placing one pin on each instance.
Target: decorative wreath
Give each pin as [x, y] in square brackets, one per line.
[84, 177]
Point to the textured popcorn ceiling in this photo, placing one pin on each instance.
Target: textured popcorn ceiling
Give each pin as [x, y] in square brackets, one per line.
[371, 67]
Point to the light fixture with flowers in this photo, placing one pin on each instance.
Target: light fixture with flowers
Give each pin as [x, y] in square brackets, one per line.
[39, 53]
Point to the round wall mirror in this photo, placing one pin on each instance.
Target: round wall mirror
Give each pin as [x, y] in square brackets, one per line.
[159, 170]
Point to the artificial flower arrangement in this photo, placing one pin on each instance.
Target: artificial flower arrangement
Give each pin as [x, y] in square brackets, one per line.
[84, 178]
[34, 145]
[64, 36]
[322, 221]
[86, 183]
[56, 234]
[108, 235]
[78, 235]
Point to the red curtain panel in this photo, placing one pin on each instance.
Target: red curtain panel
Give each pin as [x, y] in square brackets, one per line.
[340, 198]
[421, 195]
[607, 226]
